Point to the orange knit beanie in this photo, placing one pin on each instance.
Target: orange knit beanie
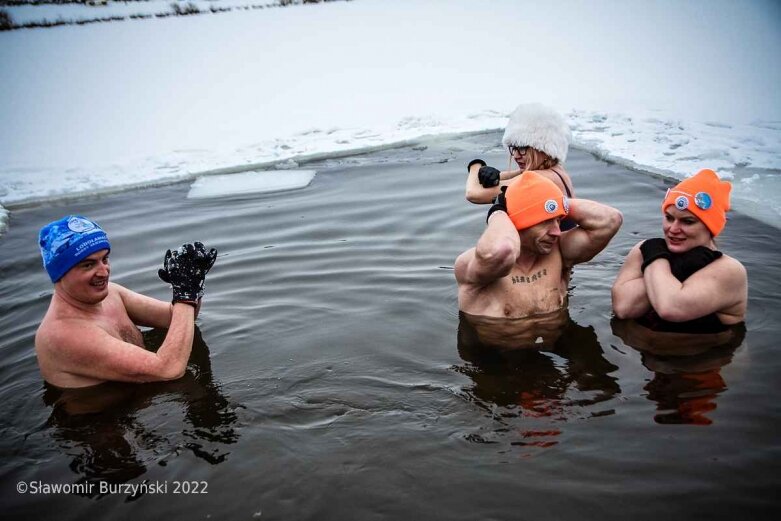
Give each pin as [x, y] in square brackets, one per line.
[704, 195]
[532, 199]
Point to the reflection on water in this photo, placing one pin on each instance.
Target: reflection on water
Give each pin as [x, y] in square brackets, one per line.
[544, 369]
[687, 369]
[114, 431]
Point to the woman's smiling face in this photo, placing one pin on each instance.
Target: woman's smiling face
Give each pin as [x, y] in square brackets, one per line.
[683, 230]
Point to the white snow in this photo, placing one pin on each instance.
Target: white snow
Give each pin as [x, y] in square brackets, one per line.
[208, 187]
[668, 87]
[742, 153]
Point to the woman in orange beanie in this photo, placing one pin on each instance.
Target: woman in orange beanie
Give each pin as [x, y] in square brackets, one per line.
[538, 140]
[682, 283]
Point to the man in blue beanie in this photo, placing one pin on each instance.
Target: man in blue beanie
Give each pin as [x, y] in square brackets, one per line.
[90, 332]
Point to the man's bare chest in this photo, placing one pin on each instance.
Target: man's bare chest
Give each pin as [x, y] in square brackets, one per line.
[539, 290]
[115, 321]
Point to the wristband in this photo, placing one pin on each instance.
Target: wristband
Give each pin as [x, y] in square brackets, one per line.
[494, 208]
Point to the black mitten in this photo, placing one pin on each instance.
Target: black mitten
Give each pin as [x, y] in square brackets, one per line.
[684, 265]
[185, 269]
[653, 249]
[488, 176]
[499, 203]
[474, 162]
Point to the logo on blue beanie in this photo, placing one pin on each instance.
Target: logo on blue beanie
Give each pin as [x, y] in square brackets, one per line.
[66, 242]
[80, 225]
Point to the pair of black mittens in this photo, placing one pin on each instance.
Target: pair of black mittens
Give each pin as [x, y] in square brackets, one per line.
[682, 265]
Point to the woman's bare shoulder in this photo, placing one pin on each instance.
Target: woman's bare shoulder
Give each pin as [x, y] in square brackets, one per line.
[733, 265]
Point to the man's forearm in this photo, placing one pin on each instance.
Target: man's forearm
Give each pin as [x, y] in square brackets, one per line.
[178, 343]
[499, 239]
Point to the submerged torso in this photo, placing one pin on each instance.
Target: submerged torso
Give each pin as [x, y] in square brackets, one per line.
[538, 331]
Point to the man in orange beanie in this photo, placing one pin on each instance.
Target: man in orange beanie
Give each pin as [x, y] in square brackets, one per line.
[521, 264]
[681, 283]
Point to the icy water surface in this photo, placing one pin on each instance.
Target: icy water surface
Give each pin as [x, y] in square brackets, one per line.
[333, 377]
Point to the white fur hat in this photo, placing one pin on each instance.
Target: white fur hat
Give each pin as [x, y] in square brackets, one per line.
[537, 126]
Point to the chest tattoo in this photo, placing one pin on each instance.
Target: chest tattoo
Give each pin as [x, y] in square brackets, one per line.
[521, 279]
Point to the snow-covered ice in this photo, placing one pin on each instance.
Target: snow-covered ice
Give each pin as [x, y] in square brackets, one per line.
[249, 183]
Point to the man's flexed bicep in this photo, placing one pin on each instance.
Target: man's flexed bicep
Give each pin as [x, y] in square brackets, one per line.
[597, 224]
[495, 253]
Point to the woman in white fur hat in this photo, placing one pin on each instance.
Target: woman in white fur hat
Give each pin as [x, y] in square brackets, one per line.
[538, 138]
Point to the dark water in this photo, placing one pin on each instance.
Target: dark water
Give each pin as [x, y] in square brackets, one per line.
[333, 377]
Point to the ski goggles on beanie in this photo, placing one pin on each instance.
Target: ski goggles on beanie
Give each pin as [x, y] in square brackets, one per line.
[68, 241]
[704, 195]
[532, 199]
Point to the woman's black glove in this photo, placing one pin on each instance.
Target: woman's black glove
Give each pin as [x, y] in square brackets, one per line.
[488, 176]
[185, 270]
[653, 249]
[684, 265]
[500, 203]
[474, 162]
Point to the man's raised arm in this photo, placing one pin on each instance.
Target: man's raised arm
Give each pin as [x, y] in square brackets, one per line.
[597, 224]
[94, 353]
[496, 250]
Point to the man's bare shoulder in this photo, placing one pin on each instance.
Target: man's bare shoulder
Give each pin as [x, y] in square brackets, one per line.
[65, 325]
[63, 331]
[118, 291]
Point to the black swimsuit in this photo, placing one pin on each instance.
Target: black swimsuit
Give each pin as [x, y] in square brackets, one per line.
[707, 324]
[566, 223]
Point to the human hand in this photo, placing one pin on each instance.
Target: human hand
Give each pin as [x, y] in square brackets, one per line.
[499, 203]
[185, 269]
[653, 249]
[684, 265]
[205, 258]
[474, 162]
[488, 176]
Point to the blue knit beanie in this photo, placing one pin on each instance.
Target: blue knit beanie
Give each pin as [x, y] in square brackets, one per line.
[64, 243]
